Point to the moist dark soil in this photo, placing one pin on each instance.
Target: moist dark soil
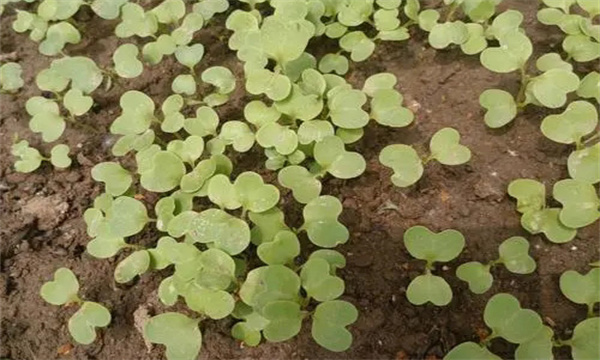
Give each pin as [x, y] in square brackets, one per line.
[42, 229]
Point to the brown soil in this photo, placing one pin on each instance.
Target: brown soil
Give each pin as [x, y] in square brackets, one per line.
[41, 227]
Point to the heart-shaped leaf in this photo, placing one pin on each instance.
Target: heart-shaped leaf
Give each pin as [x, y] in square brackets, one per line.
[552, 87]
[331, 155]
[83, 324]
[303, 184]
[275, 86]
[584, 164]
[238, 134]
[216, 304]
[285, 320]
[221, 78]
[424, 244]
[329, 324]
[184, 84]
[514, 51]
[446, 149]
[345, 109]
[514, 254]
[59, 156]
[281, 250]
[197, 178]
[358, 45]
[47, 121]
[427, 19]
[226, 232]
[169, 11]
[504, 315]
[444, 34]
[318, 282]
[259, 114]
[381, 81]
[269, 283]
[108, 9]
[282, 138]
[153, 52]
[429, 288]
[126, 62]
[580, 202]
[283, 40]
[387, 109]
[205, 123]
[208, 8]
[83, 72]
[163, 173]
[581, 289]
[135, 264]
[500, 105]
[406, 163]
[29, 158]
[477, 275]
[246, 334]
[177, 332]
[126, 217]
[137, 115]
[476, 41]
[578, 120]
[314, 130]
[57, 36]
[63, 289]
[184, 34]
[334, 258]
[116, 179]
[77, 103]
[190, 56]
[583, 342]
[253, 194]
[334, 63]
[547, 221]
[188, 150]
[321, 222]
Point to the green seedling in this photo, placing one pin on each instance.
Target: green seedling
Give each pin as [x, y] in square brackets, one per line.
[589, 87]
[423, 244]
[583, 341]
[126, 62]
[29, 159]
[321, 222]
[248, 192]
[513, 255]
[209, 8]
[10, 77]
[581, 204]
[408, 166]
[582, 40]
[305, 187]
[582, 289]
[135, 21]
[63, 290]
[584, 164]
[537, 217]
[331, 156]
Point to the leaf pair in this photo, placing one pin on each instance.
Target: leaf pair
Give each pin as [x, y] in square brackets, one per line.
[513, 254]
[10, 77]
[248, 191]
[82, 325]
[332, 157]
[408, 166]
[30, 158]
[423, 244]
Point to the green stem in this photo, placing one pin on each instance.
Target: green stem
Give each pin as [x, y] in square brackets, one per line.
[591, 138]
[524, 82]
[590, 310]
[561, 343]
[451, 12]
[486, 342]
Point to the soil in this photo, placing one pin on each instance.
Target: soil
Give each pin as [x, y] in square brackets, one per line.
[41, 226]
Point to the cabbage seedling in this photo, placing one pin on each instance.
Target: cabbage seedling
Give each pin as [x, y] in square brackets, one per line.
[424, 244]
[63, 290]
[408, 166]
[513, 255]
[581, 204]
[537, 217]
[29, 158]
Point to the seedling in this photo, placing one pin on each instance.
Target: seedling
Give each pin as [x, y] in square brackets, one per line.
[581, 204]
[29, 158]
[582, 289]
[63, 290]
[423, 244]
[537, 218]
[513, 255]
[408, 166]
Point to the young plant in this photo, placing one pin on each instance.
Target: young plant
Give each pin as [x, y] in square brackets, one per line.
[505, 317]
[537, 217]
[63, 290]
[582, 38]
[30, 159]
[408, 166]
[423, 244]
[513, 255]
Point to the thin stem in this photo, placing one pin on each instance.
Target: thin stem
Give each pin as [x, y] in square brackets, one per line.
[521, 97]
[591, 138]
[451, 12]
[590, 310]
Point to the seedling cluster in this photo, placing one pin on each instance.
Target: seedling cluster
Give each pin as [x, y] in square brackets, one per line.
[215, 225]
